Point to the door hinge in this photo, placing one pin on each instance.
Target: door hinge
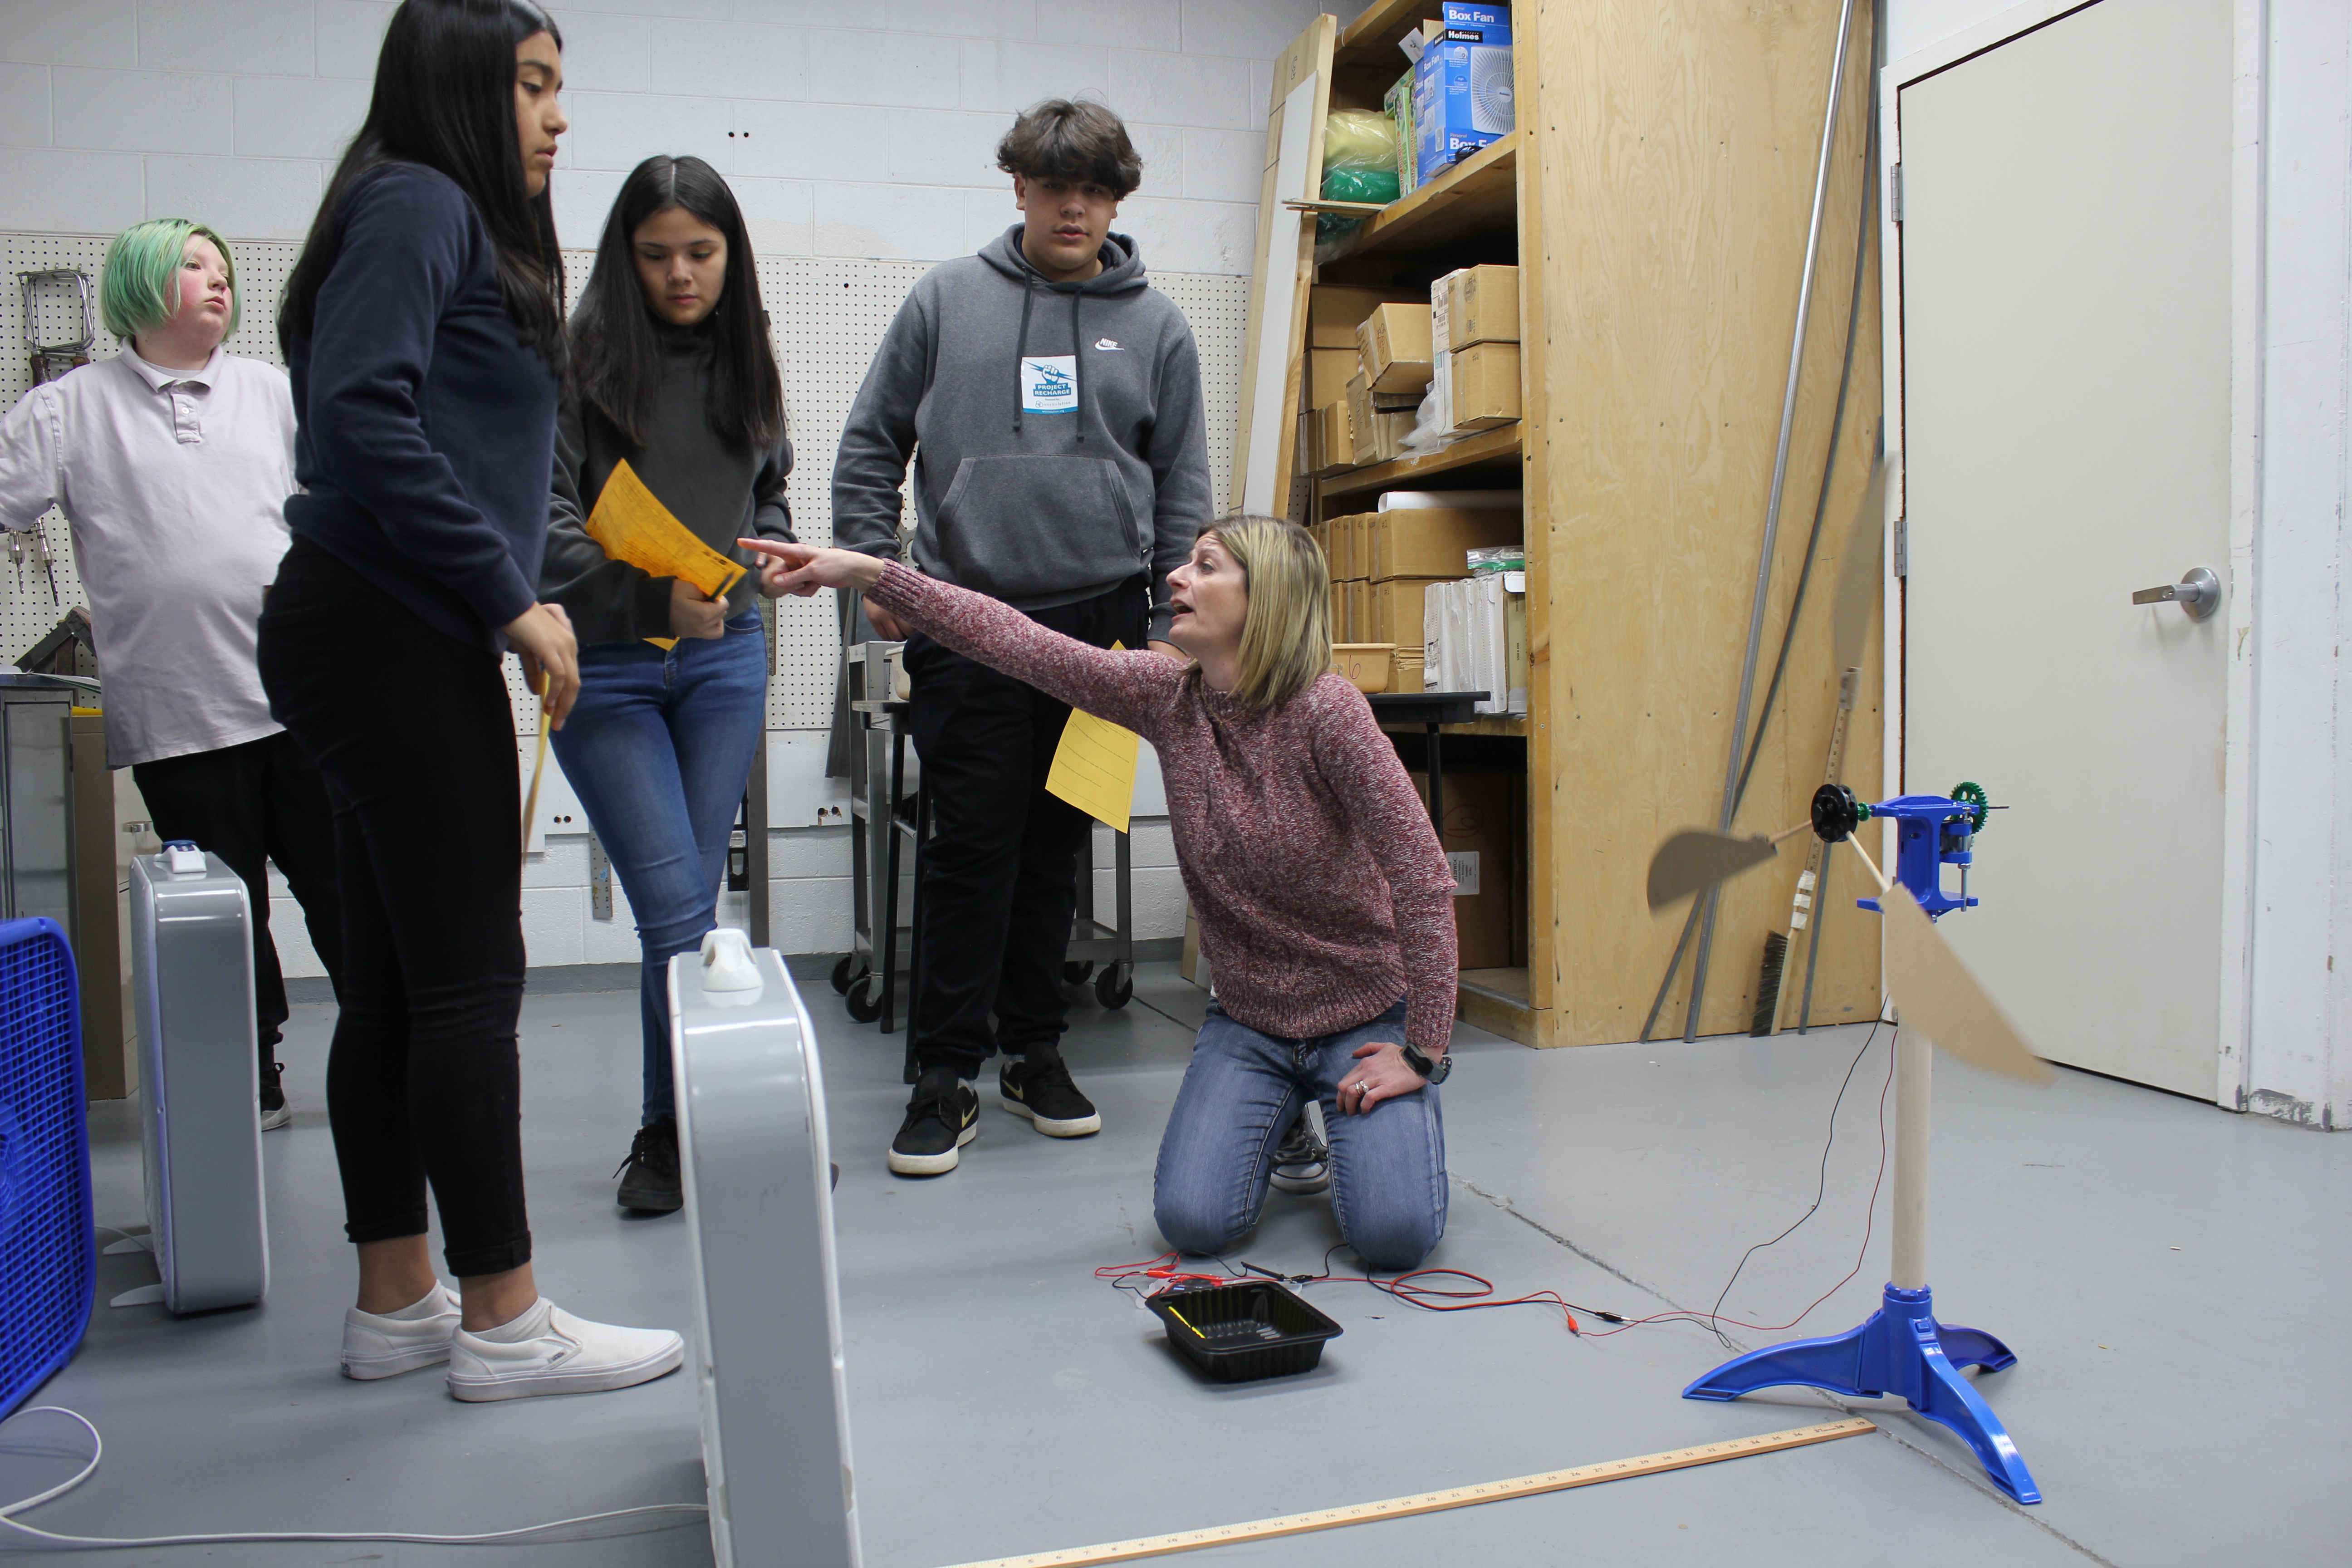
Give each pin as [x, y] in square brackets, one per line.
[1895, 192]
[1903, 546]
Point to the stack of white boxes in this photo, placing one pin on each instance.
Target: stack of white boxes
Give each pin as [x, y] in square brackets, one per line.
[1474, 634]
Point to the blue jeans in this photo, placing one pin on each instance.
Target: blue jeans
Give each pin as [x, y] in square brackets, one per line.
[658, 748]
[1241, 1092]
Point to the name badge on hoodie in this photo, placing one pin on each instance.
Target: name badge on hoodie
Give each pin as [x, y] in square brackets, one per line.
[1050, 385]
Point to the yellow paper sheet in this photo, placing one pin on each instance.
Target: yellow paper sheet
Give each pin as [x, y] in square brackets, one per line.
[632, 525]
[1094, 768]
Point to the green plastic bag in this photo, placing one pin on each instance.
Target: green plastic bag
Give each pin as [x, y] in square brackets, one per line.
[1359, 156]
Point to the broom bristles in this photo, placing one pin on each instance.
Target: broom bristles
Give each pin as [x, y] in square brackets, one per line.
[1768, 985]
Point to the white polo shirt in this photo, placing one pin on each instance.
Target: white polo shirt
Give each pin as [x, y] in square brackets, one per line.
[176, 485]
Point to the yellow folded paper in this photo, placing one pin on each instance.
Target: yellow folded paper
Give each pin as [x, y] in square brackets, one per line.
[631, 525]
[1094, 767]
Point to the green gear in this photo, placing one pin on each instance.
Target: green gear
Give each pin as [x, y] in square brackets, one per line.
[1972, 796]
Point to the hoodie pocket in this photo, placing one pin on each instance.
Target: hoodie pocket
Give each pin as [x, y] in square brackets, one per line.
[1018, 527]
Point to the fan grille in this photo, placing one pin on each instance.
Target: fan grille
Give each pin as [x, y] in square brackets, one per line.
[48, 1263]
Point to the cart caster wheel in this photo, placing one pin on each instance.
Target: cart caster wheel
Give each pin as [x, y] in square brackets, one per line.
[1077, 973]
[845, 970]
[1114, 986]
[864, 999]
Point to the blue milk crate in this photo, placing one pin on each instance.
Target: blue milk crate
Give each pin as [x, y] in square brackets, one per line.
[48, 1253]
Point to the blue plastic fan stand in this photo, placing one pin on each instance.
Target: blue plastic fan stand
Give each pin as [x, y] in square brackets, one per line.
[1903, 1351]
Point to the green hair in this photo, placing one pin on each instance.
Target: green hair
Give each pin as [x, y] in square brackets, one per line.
[140, 288]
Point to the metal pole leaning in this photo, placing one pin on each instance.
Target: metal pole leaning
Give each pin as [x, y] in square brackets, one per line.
[1772, 508]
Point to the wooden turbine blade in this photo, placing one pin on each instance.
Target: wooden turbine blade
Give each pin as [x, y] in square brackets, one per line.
[1858, 575]
[1941, 999]
[1695, 860]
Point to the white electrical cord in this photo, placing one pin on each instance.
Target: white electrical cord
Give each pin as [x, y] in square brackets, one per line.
[97, 1452]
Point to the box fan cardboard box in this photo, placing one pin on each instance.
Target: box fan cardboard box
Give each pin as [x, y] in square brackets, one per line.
[1481, 838]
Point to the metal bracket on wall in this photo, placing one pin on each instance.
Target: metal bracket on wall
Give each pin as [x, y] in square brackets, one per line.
[600, 880]
[1895, 192]
[1903, 546]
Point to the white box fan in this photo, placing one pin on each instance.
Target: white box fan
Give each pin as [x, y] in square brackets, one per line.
[1492, 109]
[754, 1160]
[192, 983]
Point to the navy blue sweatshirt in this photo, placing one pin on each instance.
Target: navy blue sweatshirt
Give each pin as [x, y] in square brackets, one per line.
[426, 433]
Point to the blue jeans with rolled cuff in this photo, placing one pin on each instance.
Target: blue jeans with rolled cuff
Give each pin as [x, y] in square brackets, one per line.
[1243, 1090]
[658, 748]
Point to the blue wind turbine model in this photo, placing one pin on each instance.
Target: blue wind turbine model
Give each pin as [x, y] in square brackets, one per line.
[1902, 1349]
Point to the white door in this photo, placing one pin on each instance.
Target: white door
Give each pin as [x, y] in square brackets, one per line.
[2065, 328]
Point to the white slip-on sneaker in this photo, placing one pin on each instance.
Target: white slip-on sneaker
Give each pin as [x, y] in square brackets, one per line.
[549, 1351]
[384, 1344]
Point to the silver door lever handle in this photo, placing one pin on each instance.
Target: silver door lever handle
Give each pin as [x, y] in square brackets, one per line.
[2199, 593]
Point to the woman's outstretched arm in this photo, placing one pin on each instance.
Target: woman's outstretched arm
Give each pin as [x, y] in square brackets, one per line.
[1127, 687]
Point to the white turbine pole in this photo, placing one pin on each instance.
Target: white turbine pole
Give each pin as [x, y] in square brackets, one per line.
[1915, 1066]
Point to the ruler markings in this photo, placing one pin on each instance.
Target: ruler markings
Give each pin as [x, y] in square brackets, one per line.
[1434, 1502]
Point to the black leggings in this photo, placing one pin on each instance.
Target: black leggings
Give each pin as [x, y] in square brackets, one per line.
[414, 733]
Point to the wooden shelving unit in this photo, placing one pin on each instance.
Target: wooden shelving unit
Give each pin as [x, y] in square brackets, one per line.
[1472, 207]
[1497, 446]
[1658, 214]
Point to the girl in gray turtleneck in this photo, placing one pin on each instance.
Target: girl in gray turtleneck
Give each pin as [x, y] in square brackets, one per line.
[670, 370]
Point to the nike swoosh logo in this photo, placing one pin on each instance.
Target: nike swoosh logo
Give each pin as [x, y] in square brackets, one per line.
[1105, 343]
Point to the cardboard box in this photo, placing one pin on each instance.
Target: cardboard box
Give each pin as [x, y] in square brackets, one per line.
[1394, 343]
[1388, 431]
[1327, 370]
[1364, 404]
[1482, 840]
[1405, 669]
[1396, 610]
[1333, 312]
[1433, 541]
[1482, 306]
[1335, 440]
[1462, 92]
[1360, 613]
[1484, 383]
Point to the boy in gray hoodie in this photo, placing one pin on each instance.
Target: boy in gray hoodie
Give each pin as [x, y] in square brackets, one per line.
[1049, 401]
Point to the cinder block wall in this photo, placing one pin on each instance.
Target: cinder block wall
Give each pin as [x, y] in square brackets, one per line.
[845, 132]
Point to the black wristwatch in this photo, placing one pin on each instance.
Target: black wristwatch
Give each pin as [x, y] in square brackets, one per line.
[1434, 1071]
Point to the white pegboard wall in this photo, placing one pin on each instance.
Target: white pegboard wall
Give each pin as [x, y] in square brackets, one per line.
[828, 314]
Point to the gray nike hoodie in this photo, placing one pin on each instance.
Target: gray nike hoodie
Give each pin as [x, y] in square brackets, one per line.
[1056, 431]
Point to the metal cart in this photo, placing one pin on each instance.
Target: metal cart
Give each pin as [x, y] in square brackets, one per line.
[889, 831]
[880, 949]
[1105, 953]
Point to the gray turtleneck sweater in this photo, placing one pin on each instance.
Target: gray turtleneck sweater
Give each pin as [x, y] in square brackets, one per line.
[719, 492]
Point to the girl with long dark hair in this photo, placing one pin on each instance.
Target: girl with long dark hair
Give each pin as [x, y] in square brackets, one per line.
[423, 333]
[671, 371]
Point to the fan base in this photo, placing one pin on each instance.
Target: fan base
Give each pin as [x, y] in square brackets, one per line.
[1900, 1350]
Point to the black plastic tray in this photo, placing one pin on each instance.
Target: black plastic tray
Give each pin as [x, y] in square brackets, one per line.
[1242, 1332]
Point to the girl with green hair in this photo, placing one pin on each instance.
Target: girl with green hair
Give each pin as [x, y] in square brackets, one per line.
[172, 462]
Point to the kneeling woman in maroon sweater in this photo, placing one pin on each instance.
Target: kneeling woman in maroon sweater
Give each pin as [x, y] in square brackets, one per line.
[1324, 901]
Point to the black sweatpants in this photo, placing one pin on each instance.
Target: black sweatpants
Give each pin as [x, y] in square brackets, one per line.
[412, 731]
[250, 805]
[1000, 877]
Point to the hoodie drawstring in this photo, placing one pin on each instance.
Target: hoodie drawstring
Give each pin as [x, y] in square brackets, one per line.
[1078, 358]
[1021, 354]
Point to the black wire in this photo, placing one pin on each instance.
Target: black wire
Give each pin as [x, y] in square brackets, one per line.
[1821, 1188]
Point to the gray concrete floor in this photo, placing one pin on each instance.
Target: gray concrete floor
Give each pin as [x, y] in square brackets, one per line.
[2163, 1269]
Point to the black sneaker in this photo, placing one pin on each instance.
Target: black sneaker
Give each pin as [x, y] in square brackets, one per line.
[1038, 1087]
[1303, 1163]
[940, 1119]
[274, 1114]
[650, 1181]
